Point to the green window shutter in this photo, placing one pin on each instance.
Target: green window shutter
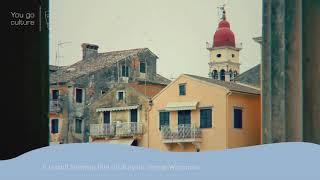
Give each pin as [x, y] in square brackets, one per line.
[160, 120]
[164, 118]
[209, 118]
[202, 119]
[182, 89]
[142, 67]
[205, 118]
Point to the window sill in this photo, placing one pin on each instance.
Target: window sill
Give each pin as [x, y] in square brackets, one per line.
[238, 129]
[206, 127]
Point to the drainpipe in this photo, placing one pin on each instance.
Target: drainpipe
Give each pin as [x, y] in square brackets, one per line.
[227, 118]
[148, 124]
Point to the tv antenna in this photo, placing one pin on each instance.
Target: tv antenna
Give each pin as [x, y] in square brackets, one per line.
[58, 56]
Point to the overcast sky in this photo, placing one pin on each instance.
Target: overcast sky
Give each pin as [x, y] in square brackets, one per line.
[175, 30]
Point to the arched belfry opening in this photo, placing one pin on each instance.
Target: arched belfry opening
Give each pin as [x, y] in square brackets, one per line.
[222, 75]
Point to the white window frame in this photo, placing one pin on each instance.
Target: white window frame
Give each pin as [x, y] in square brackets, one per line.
[129, 115]
[75, 97]
[124, 95]
[75, 125]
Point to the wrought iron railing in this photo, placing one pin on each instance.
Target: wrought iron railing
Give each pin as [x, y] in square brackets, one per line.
[184, 132]
[125, 129]
[102, 130]
[128, 129]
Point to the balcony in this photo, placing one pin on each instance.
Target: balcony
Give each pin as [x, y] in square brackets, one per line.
[103, 130]
[55, 106]
[126, 129]
[183, 133]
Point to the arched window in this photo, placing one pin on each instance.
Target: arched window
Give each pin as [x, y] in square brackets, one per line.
[231, 74]
[235, 74]
[222, 75]
[215, 74]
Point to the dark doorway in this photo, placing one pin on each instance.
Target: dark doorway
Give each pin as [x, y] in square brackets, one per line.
[134, 120]
[134, 115]
[184, 121]
[215, 74]
[106, 117]
[184, 117]
[134, 143]
[222, 75]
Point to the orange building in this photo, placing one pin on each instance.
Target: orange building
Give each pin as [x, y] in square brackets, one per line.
[195, 113]
[58, 115]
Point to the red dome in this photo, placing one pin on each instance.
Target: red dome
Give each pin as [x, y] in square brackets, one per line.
[224, 36]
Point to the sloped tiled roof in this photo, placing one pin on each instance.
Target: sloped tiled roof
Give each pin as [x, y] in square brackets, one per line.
[83, 67]
[162, 80]
[232, 86]
[251, 77]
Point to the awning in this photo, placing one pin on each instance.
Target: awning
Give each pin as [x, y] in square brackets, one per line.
[117, 108]
[127, 141]
[179, 106]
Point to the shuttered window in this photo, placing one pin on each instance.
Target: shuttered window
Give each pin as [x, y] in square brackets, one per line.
[182, 89]
[142, 67]
[106, 117]
[125, 71]
[164, 119]
[54, 126]
[78, 126]
[237, 118]
[206, 118]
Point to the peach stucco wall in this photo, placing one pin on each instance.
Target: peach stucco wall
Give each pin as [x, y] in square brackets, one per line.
[251, 118]
[221, 135]
[206, 95]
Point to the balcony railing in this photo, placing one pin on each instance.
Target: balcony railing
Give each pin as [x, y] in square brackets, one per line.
[107, 130]
[183, 133]
[55, 106]
[128, 129]
[125, 129]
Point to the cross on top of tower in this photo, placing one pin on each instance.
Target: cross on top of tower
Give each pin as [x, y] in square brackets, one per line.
[223, 11]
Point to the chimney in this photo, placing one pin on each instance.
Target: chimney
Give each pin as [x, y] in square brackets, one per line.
[89, 50]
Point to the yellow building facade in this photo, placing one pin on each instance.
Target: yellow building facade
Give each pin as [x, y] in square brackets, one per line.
[199, 114]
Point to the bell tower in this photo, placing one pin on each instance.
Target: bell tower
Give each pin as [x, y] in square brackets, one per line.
[224, 54]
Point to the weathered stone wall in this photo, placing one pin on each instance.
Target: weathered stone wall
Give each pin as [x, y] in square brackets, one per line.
[132, 97]
[93, 85]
